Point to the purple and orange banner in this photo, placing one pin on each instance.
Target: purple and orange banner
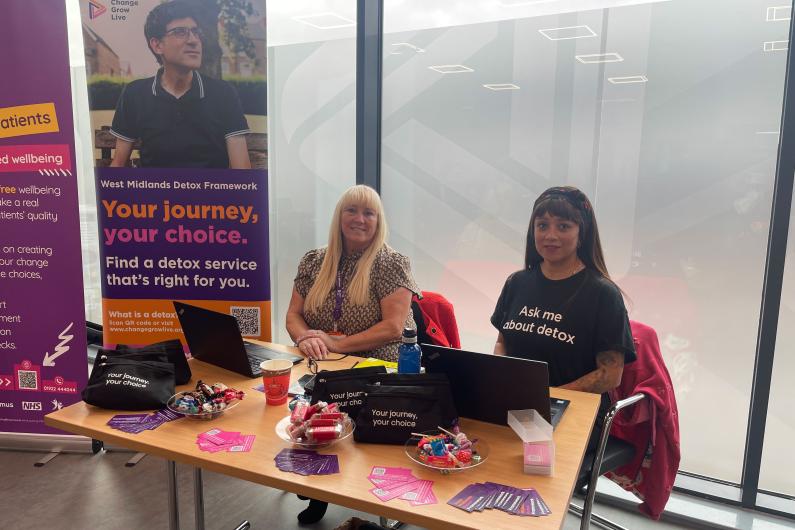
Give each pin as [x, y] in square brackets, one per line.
[195, 235]
[42, 317]
[177, 95]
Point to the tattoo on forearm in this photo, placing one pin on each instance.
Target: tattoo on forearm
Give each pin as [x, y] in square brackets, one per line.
[609, 359]
[602, 379]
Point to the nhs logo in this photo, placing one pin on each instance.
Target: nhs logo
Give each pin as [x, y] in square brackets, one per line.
[31, 405]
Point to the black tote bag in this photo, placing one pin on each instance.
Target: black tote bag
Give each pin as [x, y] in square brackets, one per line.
[345, 387]
[123, 384]
[439, 382]
[173, 351]
[391, 413]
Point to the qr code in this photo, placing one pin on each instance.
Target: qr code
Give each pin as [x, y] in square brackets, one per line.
[28, 379]
[248, 319]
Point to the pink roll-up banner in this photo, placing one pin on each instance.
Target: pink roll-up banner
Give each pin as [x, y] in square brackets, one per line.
[42, 317]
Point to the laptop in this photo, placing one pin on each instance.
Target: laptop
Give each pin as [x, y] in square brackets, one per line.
[485, 387]
[215, 338]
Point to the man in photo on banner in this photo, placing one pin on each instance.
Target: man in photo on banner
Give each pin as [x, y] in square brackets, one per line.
[182, 118]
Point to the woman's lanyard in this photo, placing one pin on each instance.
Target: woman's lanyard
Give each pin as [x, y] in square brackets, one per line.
[339, 292]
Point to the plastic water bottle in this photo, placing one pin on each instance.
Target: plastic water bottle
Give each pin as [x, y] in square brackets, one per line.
[409, 353]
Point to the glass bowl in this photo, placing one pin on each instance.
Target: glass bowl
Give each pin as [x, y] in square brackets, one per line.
[199, 415]
[281, 432]
[479, 447]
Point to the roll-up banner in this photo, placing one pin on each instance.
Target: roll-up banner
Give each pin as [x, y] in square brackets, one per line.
[178, 107]
[42, 317]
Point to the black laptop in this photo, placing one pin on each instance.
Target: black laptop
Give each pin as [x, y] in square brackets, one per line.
[215, 338]
[485, 387]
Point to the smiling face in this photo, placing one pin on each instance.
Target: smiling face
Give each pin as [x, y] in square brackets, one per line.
[358, 223]
[181, 46]
[556, 239]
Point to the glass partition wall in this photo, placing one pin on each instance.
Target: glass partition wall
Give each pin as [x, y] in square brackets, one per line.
[312, 134]
[666, 114]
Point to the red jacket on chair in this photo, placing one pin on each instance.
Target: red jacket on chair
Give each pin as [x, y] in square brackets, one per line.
[439, 317]
[652, 425]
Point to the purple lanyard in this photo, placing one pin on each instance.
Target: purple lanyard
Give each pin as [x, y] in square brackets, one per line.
[338, 294]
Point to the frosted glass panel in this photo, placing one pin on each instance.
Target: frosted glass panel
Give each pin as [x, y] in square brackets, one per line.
[664, 113]
[311, 132]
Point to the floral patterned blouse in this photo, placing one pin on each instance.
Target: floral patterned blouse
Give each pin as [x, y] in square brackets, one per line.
[390, 271]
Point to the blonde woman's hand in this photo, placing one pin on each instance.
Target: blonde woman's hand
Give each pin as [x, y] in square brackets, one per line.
[330, 341]
[310, 333]
[312, 347]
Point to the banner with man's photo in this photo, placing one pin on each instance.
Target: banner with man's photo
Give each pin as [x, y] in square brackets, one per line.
[177, 92]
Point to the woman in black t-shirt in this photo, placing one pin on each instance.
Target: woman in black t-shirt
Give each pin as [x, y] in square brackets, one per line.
[563, 308]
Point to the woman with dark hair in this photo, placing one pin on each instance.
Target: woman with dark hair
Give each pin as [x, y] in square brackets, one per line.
[563, 308]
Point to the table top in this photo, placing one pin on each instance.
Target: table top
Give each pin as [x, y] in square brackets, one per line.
[176, 441]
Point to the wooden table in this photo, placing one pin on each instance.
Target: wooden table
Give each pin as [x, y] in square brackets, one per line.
[175, 441]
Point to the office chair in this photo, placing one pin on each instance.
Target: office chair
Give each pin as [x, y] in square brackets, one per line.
[646, 378]
[611, 453]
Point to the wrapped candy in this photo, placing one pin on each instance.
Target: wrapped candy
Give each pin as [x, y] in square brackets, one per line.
[313, 409]
[324, 433]
[296, 432]
[464, 456]
[204, 388]
[331, 408]
[438, 447]
[330, 415]
[295, 401]
[187, 404]
[299, 412]
[231, 394]
[447, 449]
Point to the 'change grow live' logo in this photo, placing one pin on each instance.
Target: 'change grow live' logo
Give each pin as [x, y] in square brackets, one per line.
[95, 9]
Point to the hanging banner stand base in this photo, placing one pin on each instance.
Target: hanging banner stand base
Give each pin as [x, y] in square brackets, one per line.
[52, 444]
[55, 443]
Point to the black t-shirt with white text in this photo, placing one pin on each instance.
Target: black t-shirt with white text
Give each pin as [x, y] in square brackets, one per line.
[562, 322]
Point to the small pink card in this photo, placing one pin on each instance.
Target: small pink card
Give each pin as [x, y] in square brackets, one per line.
[213, 435]
[419, 494]
[245, 447]
[206, 445]
[381, 476]
[393, 493]
[537, 454]
[430, 498]
[229, 437]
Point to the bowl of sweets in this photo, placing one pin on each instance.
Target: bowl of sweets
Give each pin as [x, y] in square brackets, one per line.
[207, 402]
[312, 426]
[446, 451]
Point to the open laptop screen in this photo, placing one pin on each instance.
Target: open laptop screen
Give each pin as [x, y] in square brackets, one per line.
[485, 387]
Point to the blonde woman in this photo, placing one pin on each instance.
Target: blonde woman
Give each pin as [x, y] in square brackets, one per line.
[353, 296]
